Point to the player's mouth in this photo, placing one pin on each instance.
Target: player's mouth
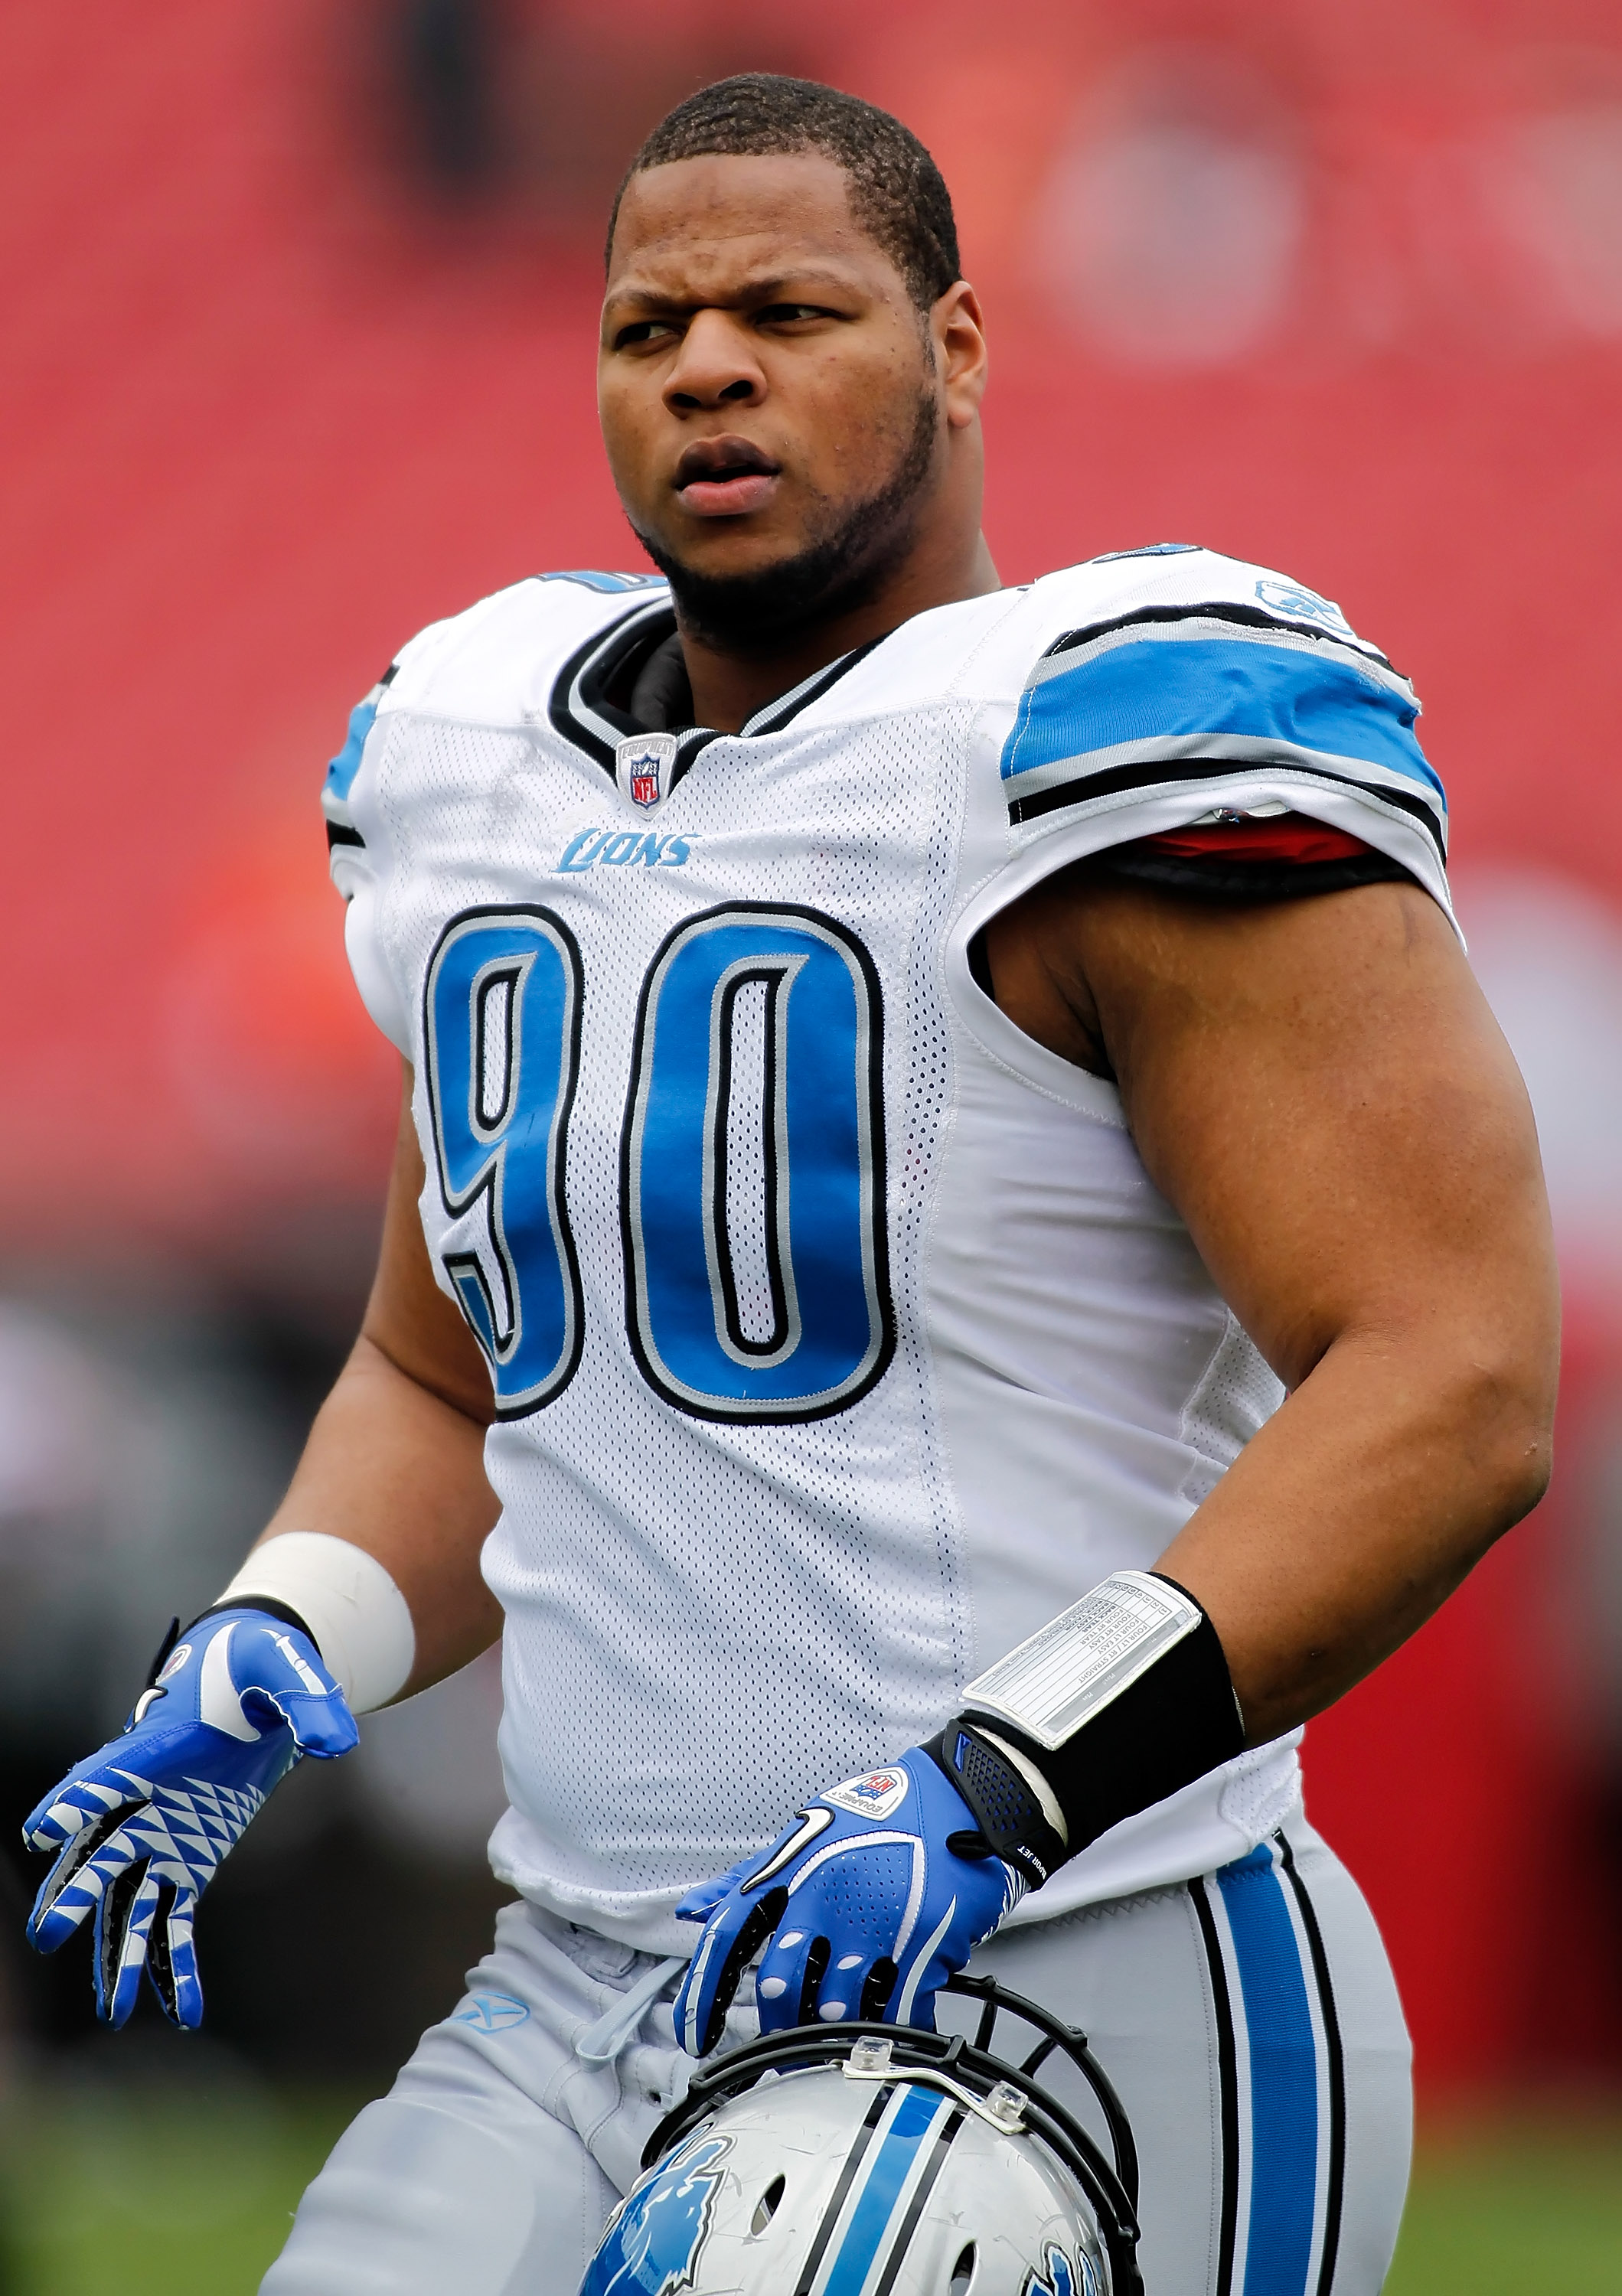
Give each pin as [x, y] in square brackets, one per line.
[723, 477]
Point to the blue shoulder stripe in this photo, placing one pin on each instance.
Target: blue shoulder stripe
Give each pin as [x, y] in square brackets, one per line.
[591, 579]
[346, 765]
[1153, 702]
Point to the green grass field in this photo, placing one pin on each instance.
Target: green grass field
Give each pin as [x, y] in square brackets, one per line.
[1534, 2209]
[148, 2194]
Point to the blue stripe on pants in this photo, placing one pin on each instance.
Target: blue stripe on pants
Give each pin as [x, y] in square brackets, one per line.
[1283, 2077]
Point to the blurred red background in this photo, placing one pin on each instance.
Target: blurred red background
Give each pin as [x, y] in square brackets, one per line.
[298, 332]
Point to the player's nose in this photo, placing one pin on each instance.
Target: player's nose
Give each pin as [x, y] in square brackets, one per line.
[715, 367]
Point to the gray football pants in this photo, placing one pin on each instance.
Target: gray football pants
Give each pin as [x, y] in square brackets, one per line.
[1249, 2021]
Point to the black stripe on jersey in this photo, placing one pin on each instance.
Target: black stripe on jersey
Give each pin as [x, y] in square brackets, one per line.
[338, 834]
[1152, 772]
[812, 691]
[1215, 610]
[926, 2183]
[1227, 2083]
[837, 2198]
[596, 666]
[1212, 879]
[1335, 2052]
[592, 668]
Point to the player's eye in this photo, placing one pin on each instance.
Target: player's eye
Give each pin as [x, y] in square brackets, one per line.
[778, 315]
[644, 330]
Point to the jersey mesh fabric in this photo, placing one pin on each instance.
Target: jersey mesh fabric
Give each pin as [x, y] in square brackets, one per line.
[705, 1622]
[1238, 1394]
[746, 1165]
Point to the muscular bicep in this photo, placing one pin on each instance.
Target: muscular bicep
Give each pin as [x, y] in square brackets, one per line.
[408, 1318]
[1319, 1088]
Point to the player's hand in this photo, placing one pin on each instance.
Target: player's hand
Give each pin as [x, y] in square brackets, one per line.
[877, 1892]
[142, 1824]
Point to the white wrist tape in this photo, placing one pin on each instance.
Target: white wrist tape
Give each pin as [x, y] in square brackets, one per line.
[359, 1617]
[1072, 1668]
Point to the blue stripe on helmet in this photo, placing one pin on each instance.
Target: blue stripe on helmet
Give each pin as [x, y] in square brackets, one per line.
[914, 2122]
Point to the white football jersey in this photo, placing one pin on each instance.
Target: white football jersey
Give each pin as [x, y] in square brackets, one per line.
[838, 1337]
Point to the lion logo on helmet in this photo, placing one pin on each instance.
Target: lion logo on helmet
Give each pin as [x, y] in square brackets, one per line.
[654, 2237]
[1058, 2276]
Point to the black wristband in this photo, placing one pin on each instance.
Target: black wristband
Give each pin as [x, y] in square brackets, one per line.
[270, 1605]
[1177, 1721]
[1008, 1811]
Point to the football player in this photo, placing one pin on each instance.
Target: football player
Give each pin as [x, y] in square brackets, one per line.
[965, 1254]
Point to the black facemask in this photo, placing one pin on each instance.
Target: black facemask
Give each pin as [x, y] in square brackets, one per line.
[839, 568]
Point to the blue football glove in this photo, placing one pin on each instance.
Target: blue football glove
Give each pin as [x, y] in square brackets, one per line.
[877, 1892]
[141, 1823]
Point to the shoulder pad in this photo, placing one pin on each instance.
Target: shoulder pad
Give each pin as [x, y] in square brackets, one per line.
[496, 663]
[1178, 576]
[1168, 670]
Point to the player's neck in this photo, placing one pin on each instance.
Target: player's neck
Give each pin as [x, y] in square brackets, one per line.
[729, 687]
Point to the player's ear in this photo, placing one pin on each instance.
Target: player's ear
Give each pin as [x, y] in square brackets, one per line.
[958, 333]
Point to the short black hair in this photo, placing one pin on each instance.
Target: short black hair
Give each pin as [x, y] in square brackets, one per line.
[895, 189]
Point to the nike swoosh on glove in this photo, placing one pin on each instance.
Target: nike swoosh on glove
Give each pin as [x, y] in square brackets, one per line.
[877, 1892]
[143, 1823]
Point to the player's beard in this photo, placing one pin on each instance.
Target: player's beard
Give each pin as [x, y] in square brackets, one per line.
[850, 549]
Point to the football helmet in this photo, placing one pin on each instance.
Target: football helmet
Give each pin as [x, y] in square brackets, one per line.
[834, 2158]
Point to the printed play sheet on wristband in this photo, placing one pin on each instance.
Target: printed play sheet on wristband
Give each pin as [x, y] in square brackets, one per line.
[1066, 1673]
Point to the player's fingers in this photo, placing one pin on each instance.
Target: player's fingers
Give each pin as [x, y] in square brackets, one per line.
[123, 1921]
[730, 1941]
[70, 1807]
[274, 1678]
[76, 1884]
[321, 1726]
[791, 1970]
[692, 2011]
[185, 1985]
[817, 1957]
[701, 1900]
[171, 1961]
[850, 1981]
[878, 1988]
[913, 2000]
[699, 1904]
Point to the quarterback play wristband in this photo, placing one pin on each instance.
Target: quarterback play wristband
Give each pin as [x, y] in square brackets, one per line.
[1117, 1703]
[348, 1604]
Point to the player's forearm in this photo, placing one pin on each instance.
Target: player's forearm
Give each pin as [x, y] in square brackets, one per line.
[1361, 1505]
[396, 1471]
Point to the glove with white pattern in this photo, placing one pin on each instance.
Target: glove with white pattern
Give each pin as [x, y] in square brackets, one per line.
[141, 1823]
[877, 1892]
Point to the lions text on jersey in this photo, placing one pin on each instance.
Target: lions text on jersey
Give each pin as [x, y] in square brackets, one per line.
[838, 1335]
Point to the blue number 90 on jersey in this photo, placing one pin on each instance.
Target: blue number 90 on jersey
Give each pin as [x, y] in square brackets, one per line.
[752, 1192]
[502, 1024]
[812, 1167]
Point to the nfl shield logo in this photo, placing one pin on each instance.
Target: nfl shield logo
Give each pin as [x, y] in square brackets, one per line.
[878, 1795]
[641, 767]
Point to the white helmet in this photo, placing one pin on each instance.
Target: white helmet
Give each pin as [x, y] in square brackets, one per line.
[863, 2159]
